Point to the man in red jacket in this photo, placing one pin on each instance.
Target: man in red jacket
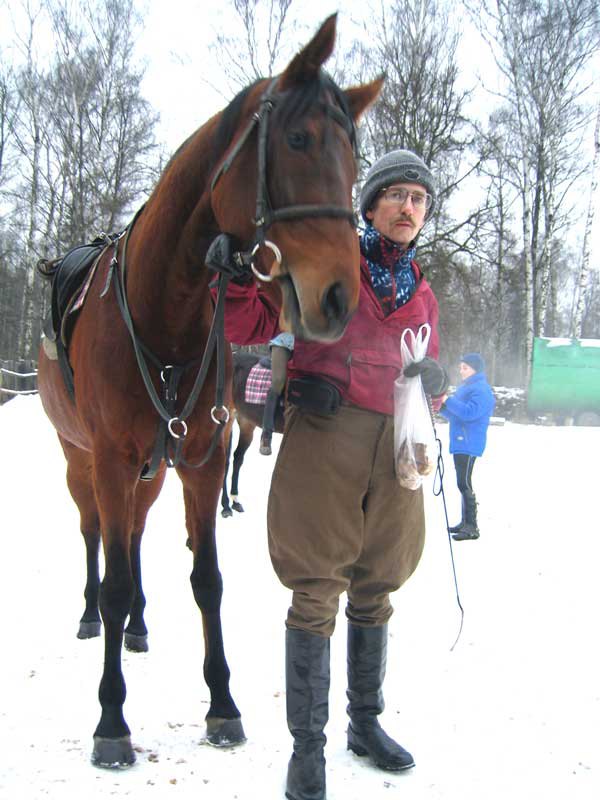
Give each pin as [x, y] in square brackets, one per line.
[338, 520]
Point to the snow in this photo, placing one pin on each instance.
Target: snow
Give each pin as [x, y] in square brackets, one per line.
[513, 711]
[562, 342]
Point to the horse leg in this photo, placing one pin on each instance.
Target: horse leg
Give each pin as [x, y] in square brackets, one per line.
[90, 624]
[225, 504]
[79, 481]
[245, 440]
[136, 632]
[115, 489]
[223, 720]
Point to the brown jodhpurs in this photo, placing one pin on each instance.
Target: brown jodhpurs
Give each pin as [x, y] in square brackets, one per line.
[338, 519]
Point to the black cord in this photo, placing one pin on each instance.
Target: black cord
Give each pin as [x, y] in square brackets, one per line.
[438, 489]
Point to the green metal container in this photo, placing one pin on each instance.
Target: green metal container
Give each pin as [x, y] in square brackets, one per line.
[565, 376]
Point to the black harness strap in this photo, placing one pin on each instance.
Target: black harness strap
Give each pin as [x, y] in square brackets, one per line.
[172, 428]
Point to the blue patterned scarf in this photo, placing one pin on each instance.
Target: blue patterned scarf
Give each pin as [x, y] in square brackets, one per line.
[392, 276]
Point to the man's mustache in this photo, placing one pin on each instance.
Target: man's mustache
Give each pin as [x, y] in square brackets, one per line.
[405, 218]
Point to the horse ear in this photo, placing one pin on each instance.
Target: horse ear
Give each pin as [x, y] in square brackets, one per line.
[360, 98]
[307, 63]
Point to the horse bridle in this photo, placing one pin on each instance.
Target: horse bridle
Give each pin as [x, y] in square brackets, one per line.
[265, 214]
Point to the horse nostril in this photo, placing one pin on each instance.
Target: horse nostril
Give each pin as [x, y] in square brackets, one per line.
[335, 302]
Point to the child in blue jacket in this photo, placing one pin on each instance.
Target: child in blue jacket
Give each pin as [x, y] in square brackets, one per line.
[468, 411]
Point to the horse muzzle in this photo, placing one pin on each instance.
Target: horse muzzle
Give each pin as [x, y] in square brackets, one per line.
[312, 318]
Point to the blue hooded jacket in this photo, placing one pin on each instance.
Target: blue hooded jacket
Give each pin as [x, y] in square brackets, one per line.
[468, 411]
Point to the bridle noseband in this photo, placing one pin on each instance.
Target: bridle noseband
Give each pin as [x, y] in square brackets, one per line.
[265, 214]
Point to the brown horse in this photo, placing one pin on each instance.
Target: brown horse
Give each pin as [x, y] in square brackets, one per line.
[141, 401]
[248, 416]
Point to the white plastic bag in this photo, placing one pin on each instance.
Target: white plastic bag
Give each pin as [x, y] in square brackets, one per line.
[414, 437]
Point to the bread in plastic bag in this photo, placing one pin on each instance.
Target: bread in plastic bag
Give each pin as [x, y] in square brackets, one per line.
[414, 437]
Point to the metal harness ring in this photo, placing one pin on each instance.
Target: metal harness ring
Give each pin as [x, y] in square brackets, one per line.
[214, 417]
[277, 253]
[184, 428]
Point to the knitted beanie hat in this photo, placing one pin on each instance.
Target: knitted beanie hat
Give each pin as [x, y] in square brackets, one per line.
[398, 166]
[474, 360]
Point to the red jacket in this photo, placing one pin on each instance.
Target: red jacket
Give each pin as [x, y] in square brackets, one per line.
[365, 362]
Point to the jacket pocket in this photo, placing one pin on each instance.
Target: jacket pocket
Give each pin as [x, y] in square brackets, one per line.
[372, 376]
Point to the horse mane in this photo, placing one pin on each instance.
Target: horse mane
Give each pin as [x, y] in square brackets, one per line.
[229, 122]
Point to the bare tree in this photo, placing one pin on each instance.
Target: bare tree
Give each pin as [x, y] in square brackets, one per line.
[102, 127]
[83, 137]
[8, 101]
[542, 49]
[582, 282]
[422, 106]
[257, 42]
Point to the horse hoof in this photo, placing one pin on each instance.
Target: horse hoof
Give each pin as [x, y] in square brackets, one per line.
[113, 753]
[225, 732]
[89, 630]
[136, 643]
[238, 507]
[227, 512]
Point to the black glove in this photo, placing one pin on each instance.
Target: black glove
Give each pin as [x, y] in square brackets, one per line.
[433, 376]
[221, 257]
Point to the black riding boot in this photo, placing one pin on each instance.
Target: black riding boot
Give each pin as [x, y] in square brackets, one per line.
[468, 528]
[456, 528]
[367, 653]
[268, 422]
[307, 687]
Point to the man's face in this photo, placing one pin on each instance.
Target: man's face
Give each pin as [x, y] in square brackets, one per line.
[465, 371]
[400, 222]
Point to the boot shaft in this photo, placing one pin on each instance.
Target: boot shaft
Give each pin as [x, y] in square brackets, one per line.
[367, 658]
[307, 686]
[470, 509]
[307, 699]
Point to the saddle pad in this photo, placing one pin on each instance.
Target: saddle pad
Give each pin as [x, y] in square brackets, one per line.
[80, 298]
[258, 384]
[70, 277]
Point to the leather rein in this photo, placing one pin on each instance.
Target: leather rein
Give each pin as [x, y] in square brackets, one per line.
[172, 428]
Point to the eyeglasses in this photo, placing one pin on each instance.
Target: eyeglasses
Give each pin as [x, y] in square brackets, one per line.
[398, 196]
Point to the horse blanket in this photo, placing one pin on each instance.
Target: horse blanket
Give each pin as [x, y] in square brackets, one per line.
[258, 384]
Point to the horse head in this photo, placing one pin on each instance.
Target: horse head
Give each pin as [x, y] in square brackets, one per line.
[284, 188]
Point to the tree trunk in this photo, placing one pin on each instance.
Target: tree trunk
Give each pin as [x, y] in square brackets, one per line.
[582, 283]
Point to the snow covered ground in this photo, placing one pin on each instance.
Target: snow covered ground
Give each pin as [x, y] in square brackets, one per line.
[512, 712]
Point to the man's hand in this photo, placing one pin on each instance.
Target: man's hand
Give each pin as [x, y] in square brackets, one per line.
[433, 376]
[220, 257]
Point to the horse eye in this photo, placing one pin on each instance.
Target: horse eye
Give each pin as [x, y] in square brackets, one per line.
[298, 140]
